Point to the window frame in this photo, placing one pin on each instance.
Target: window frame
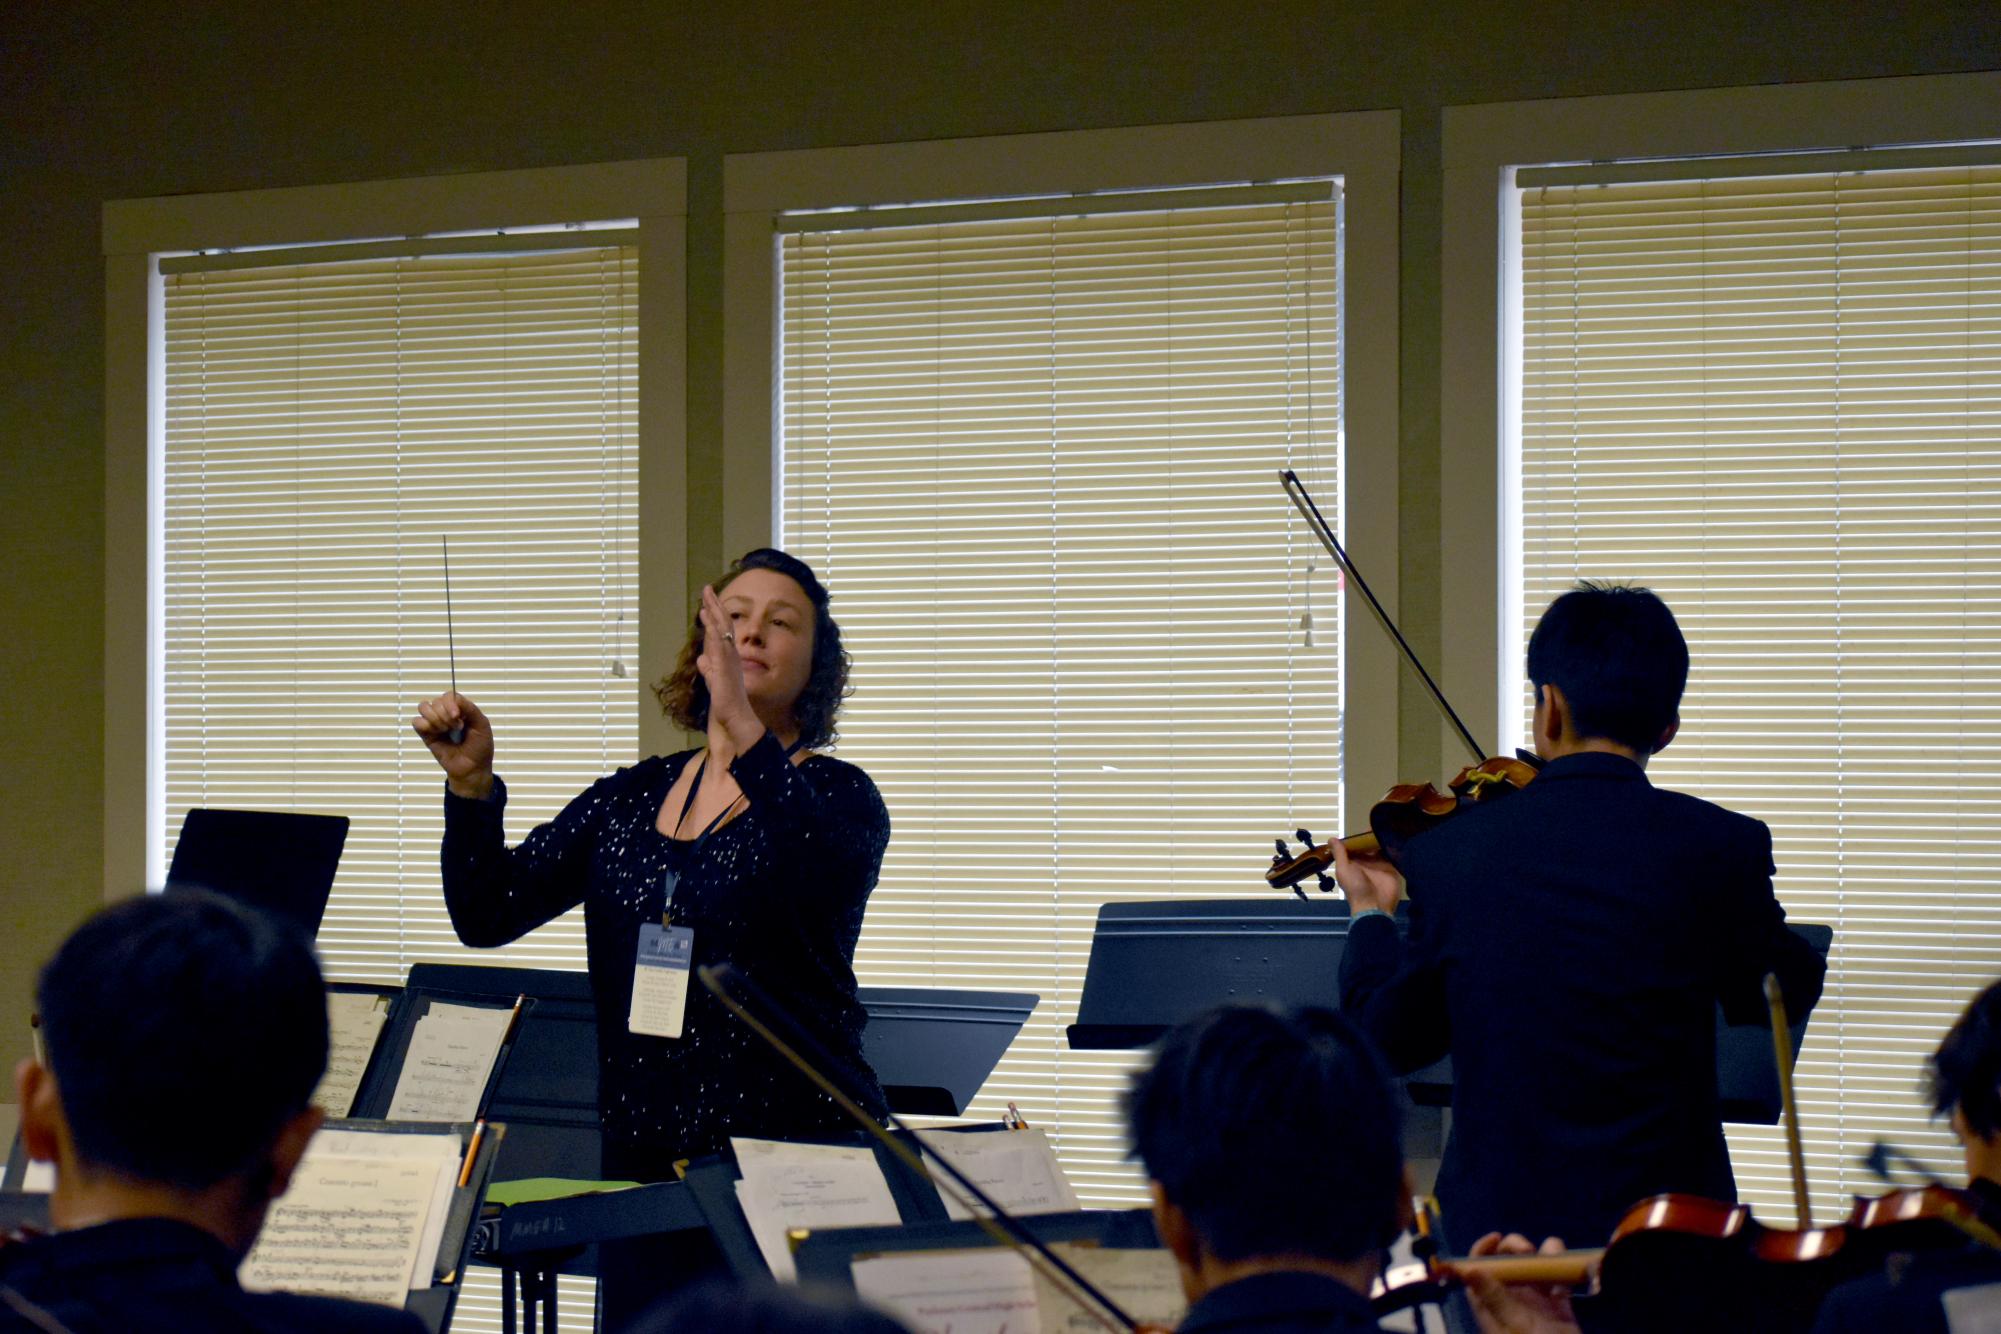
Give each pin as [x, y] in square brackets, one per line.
[1363, 148]
[137, 233]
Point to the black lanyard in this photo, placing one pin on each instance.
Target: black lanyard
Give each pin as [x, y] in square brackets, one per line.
[695, 849]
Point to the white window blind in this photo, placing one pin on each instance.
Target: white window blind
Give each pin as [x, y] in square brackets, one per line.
[1034, 459]
[1776, 399]
[326, 424]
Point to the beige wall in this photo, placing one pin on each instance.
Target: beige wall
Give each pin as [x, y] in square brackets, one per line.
[105, 101]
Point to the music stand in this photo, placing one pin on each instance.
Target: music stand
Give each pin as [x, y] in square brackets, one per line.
[278, 861]
[1153, 965]
[933, 1047]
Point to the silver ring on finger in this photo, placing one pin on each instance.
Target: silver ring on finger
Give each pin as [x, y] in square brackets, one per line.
[730, 636]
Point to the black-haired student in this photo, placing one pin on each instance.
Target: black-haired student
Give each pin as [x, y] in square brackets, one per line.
[184, 1036]
[1270, 1140]
[1568, 945]
[1932, 1292]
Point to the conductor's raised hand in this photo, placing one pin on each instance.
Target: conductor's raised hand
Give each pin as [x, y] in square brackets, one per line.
[468, 763]
[734, 726]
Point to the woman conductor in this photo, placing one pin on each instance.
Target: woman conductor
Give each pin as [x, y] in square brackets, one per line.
[754, 849]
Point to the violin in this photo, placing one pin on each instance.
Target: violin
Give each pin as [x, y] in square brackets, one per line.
[1684, 1262]
[1408, 809]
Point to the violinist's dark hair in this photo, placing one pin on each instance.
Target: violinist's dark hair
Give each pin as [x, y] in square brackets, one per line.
[1275, 1131]
[1964, 1074]
[684, 695]
[183, 1030]
[1618, 656]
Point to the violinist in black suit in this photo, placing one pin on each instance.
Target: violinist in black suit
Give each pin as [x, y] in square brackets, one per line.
[1957, 1288]
[1568, 945]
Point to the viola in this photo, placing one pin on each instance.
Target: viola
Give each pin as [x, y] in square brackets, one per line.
[1408, 809]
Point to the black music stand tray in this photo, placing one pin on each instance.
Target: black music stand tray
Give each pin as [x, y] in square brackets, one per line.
[392, 1046]
[1154, 965]
[933, 1047]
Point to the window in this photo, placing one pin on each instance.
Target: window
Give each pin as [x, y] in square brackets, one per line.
[307, 390]
[1766, 385]
[1032, 446]
[330, 424]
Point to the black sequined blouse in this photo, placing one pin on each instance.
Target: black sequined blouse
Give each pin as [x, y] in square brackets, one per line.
[778, 891]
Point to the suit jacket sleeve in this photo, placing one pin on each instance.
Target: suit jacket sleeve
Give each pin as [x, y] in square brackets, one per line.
[1755, 941]
[1396, 992]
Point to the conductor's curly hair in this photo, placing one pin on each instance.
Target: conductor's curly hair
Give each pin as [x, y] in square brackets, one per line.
[684, 695]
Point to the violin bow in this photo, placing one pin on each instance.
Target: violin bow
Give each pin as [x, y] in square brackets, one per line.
[724, 981]
[1309, 511]
[1782, 1049]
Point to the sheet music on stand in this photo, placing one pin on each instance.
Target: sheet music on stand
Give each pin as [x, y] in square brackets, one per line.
[994, 1291]
[1018, 1168]
[440, 1055]
[357, 1016]
[939, 1276]
[379, 1211]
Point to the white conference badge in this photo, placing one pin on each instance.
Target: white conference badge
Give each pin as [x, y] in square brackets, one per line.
[660, 976]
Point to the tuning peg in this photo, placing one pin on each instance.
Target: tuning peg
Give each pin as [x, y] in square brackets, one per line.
[1284, 853]
[1325, 882]
[1299, 893]
[1306, 837]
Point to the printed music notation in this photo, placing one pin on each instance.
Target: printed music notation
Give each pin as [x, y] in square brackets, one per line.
[347, 1227]
[989, 1291]
[1145, 1283]
[1017, 1168]
[994, 1291]
[807, 1185]
[452, 1050]
[354, 1022]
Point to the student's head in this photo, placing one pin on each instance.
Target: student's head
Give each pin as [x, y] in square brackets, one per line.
[789, 643]
[1964, 1075]
[183, 1035]
[1268, 1134]
[1618, 661]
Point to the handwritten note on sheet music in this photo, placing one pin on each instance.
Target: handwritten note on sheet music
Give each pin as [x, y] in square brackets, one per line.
[989, 1291]
[348, 1227]
[1145, 1283]
[354, 1021]
[807, 1185]
[1018, 1168]
[451, 1054]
